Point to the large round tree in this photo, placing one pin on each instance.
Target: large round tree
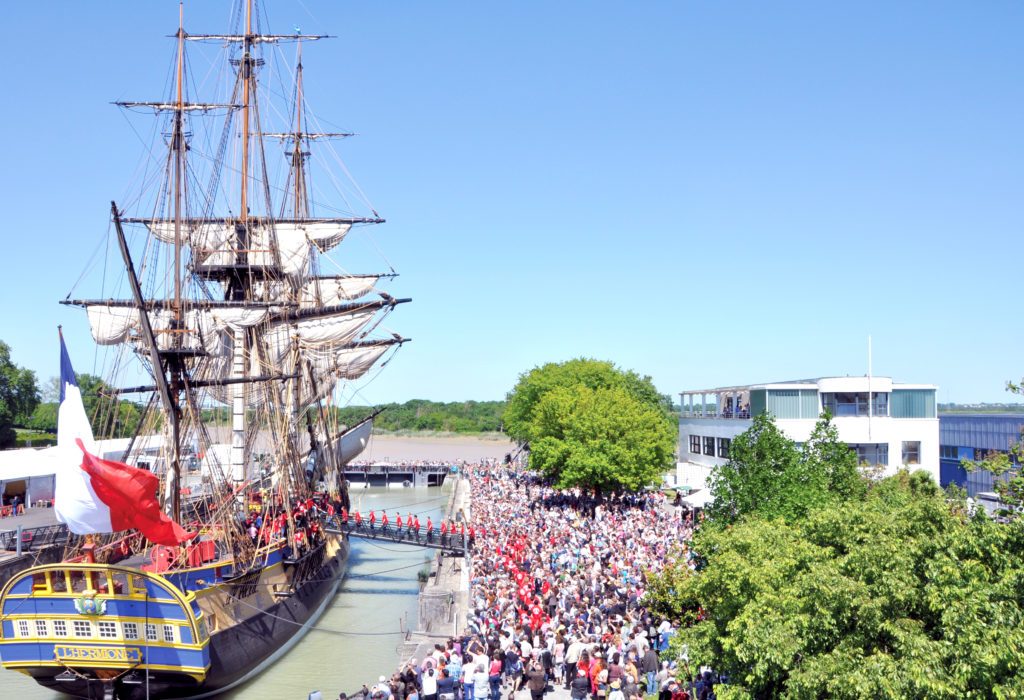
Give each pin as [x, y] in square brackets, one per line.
[592, 425]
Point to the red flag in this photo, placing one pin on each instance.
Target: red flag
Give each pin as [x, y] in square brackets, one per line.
[130, 495]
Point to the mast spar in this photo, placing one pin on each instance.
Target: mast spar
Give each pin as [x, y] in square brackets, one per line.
[238, 286]
[178, 146]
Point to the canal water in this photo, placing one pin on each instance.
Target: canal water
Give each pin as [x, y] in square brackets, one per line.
[359, 636]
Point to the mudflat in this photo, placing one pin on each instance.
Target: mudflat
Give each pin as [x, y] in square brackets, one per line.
[391, 448]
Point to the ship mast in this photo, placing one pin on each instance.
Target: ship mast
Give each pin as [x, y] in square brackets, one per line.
[237, 289]
[246, 68]
[175, 365]
[179, 157]
[297, 154]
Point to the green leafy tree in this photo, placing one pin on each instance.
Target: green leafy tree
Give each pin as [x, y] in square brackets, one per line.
[829, 463]
[19, 396]
[766, 474]
[898, 594]
[603, 439]
[524, 398]
[44, 418]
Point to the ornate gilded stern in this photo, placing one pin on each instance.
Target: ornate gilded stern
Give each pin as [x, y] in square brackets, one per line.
[100, 621]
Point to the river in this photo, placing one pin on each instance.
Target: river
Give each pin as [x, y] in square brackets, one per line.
[358, 637]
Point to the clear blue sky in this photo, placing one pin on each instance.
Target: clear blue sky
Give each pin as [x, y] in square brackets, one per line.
[706, 192]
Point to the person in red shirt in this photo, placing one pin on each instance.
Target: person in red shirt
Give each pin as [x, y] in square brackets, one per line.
[416, 525]
[384, 521]
[430, 529]
[359, 519]
[373, 518]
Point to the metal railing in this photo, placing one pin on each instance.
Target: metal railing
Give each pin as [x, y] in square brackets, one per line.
[29, 538]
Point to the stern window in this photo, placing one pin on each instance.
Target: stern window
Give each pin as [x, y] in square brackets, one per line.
[60, 628]
[131, 630]
[151, 633]
[59, 582]
[23, 628]
[108, 630]
[169, 633]
[82, 628]
[41, 582]
[41, 628]
[138, 585]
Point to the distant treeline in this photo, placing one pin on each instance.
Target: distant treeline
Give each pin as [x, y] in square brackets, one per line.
[420, 414]
[981, 408]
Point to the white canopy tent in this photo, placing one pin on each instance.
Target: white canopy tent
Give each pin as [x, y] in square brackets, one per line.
[28, 473]
[699, 499]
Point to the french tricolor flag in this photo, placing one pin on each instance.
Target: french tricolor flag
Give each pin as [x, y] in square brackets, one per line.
[99, 495]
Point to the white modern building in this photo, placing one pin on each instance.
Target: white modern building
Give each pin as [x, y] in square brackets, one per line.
[889, 425]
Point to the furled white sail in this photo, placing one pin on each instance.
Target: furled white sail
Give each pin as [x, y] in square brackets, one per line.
[336, 290]
[335, 329]
[323, 234]
[238, 316]
[287, 244]
[211, 241]
[319, 291]
[346, 363]
[111, 325]
[199, 331]
[355, 362]
[351, 444]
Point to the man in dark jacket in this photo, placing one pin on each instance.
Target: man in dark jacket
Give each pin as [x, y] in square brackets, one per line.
[649, 667]
[536, 681]
[580, 686]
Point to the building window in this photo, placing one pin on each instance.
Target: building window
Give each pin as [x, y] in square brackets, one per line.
[169, 633]
[841, 404]
[150, 633]
[41, 628]
[695, 444]
[873, 454]
[949, 452]
[60, 628]
[723, 447]
[131, 630]
[912, 452]
[709, 446]
[82, 628]
[23, 628]
[108, 630]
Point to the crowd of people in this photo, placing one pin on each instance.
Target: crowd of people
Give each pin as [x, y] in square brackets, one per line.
[557, 598]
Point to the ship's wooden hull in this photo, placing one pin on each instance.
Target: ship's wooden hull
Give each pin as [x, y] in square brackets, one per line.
[237, 652]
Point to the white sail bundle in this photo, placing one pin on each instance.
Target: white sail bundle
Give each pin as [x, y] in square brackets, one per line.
[286, 245]
[310, 333]
[318, 291]
[347, 363]
[111, 325]
[329, 291]
[238, 317]
[206, 329]
[349, 445]
[211, 242]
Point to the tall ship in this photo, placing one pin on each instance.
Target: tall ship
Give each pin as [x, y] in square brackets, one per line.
[238, 329]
